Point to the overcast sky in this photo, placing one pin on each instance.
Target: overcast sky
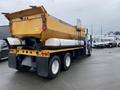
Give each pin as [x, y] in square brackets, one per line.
[91, 12]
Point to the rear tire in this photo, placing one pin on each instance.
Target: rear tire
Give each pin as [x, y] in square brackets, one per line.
[54, 67]
[66, 62]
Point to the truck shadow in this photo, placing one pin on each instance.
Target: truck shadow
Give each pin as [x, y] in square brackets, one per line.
[79, 59]
[30, 81]
[18, 74]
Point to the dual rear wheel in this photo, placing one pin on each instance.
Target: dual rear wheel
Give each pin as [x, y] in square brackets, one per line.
[55, 65]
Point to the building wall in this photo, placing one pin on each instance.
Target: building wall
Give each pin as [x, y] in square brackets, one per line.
[4, 31]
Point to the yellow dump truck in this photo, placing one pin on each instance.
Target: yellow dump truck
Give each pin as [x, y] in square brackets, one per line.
[43, 43]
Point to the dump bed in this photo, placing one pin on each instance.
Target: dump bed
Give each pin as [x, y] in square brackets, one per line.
[36, 22]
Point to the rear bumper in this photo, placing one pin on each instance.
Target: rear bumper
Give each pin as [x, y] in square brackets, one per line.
[41, 64]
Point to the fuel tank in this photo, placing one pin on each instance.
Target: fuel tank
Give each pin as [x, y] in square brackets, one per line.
[56, 42]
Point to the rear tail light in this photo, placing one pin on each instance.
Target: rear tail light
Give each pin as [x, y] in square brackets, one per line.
[44, 27]
[44, 53]
[44, 22]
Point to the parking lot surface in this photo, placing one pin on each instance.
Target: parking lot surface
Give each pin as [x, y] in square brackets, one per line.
[101, 71]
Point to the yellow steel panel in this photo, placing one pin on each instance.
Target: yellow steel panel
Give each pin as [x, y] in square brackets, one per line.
[30, 52]
[40, 53]
[24, 24]
[27, 27]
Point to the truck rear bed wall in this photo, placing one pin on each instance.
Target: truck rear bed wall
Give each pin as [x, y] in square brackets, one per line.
[30, 27]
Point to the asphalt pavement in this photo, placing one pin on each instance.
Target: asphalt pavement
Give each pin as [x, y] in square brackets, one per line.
[101, 71]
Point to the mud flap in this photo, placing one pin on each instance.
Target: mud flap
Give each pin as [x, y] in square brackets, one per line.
[42, 66]
[12, 60]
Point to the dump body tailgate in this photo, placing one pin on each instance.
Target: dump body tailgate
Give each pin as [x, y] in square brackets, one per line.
[26, 22]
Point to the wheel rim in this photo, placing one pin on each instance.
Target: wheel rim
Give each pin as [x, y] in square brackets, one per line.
[55, 67]
[68, 61]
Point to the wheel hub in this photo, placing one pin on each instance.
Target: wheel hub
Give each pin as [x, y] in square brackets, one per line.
[55, 67]
[68, 61]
